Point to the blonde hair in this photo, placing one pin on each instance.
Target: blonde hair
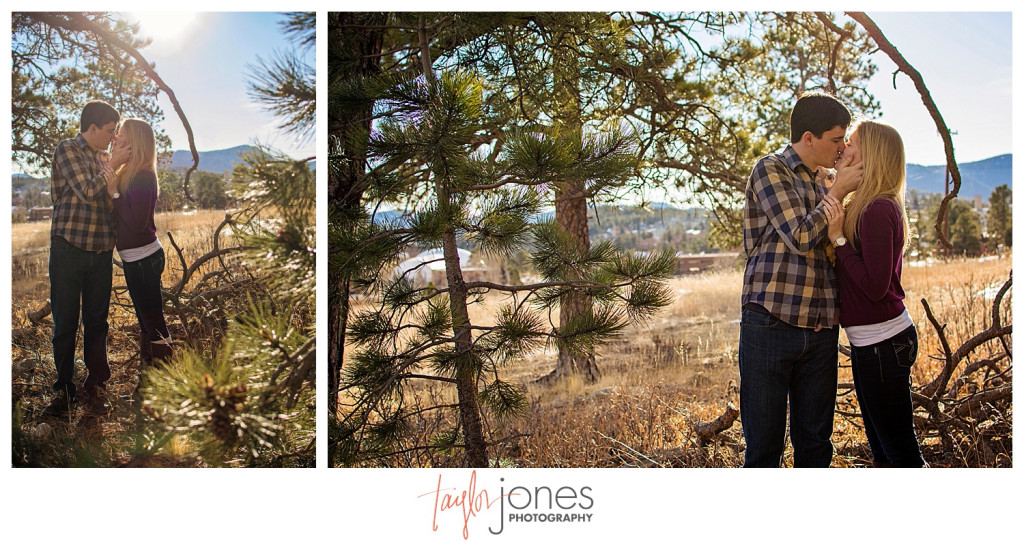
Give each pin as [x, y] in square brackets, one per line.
[143, 157]
[885, 176]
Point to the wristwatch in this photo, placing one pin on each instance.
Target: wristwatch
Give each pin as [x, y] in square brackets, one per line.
[118, 194]
[841, 241]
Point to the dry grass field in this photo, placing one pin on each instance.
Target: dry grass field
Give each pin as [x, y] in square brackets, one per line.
[81, 441]
[660, 381]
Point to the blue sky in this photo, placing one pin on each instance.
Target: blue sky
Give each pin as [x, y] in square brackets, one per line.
[965, 61]
[204, 60]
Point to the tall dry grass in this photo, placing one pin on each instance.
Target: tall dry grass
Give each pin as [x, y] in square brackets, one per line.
[81, 441]
[658, 382]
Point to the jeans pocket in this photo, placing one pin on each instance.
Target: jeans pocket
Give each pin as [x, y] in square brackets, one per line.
[753, 318]
[904, 346]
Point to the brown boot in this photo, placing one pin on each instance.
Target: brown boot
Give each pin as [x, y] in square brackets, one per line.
[95, 400]
[162, 350]
[145, 350]
[61, 406]
[145, 360]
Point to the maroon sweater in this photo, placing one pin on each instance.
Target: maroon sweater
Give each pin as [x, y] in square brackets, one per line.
[133, 212]
[869, 276]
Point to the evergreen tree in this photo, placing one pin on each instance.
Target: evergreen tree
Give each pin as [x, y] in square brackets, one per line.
[250, 395]
[354, 47]
[922, 208]
[210, 190]
[172, 196]
[704, 101]
[418, 332]
[964, 229]
[1000, 216]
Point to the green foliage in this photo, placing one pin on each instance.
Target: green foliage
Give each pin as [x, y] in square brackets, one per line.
[217, 405]
[172, 195]
[251, 398]
[516, 333]
[412, 330]
[285, 244]
[1000, 216]
[964, 223]
[964, 228]
[285, 83]
[57, 71]
[502, 225]
[210, 190]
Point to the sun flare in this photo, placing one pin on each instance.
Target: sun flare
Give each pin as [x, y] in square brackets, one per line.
[165, 27]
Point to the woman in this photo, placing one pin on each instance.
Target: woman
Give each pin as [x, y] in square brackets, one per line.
[134, 193]
[870, 236]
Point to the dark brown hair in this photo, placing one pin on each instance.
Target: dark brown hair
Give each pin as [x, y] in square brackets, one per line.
[817, 112]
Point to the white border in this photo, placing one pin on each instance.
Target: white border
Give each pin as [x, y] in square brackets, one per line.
[357, 504]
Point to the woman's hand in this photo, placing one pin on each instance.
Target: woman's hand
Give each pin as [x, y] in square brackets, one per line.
[835, 214]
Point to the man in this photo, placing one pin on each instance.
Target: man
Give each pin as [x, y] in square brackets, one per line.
[81, 245]
[788, 332]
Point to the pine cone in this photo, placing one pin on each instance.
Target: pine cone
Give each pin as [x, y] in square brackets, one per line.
[227, 402]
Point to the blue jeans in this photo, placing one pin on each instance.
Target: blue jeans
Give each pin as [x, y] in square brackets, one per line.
[881, 376]
[79, 284]
[781, 364]
[143, 280]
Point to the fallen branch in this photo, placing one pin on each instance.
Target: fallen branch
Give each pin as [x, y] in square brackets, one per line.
[973, 404]
[37, 316]
[708, 431]
[953, 358]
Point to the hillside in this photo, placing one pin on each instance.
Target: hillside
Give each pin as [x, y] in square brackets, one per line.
[977, 178]
[215, 161]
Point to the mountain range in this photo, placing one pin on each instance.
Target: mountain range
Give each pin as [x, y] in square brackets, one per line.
[215, 161]
[976, 178]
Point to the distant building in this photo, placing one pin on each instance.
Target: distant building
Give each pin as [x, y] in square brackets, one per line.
[698, 263]
[429, 268]
[40, 213]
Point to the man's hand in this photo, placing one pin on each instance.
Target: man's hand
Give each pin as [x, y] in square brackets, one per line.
[848, 175]
[120, 154]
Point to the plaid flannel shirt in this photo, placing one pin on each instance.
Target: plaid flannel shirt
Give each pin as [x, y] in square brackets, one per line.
[785, 237]
[82, 210]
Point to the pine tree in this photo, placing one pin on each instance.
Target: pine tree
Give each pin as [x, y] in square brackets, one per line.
[964, 229]
[704, 100]
[487, 201]
[354, 43]
[251, 397]
[1000, 217]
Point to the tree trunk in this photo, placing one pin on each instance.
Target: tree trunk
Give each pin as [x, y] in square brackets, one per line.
[458, 294]
[571, 215]
[358, 50]
[466, 374]
[571, 205]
